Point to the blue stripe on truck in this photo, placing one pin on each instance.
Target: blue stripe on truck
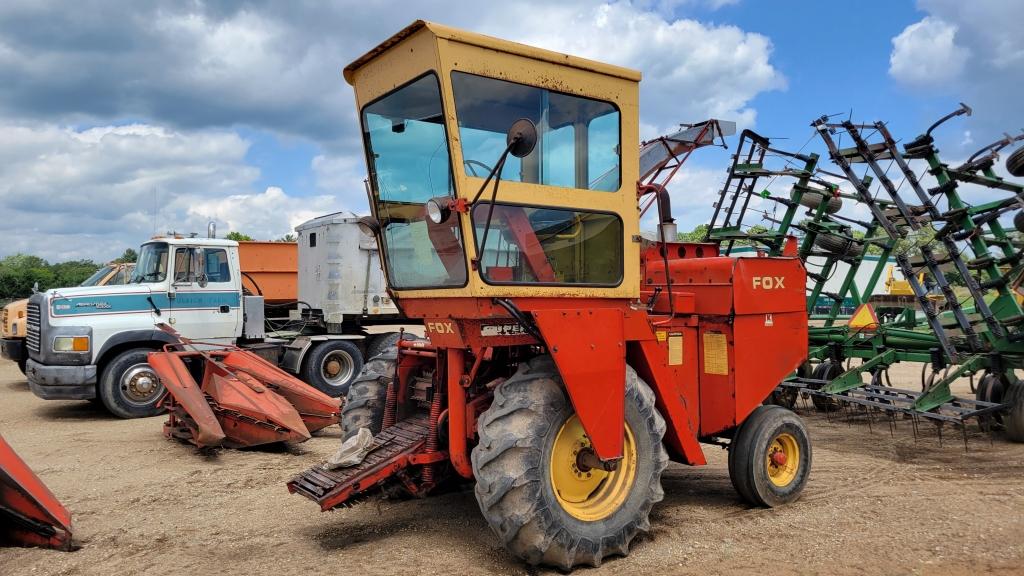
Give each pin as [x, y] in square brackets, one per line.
[126, 303]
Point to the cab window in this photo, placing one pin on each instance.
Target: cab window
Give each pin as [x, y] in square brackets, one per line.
[217, 268]
[542, 245]
[578, 138]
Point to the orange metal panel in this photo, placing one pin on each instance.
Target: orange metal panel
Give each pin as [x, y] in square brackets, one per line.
[717, 378]
[44, 521]
[768, 347]
[590, 352]
[274, 266]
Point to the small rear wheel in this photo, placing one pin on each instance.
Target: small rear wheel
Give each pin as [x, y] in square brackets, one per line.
[331, 366]
[129, 387]
[770, 457]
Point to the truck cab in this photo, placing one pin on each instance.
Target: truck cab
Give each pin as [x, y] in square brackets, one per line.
[91, 342]
[12, 317]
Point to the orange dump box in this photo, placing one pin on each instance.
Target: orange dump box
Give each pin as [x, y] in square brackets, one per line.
[270, 269]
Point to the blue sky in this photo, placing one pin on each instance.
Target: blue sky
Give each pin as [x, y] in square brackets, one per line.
[140, 118]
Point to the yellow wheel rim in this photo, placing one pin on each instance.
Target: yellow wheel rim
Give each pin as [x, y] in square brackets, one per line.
[592, 494]
[783, 459]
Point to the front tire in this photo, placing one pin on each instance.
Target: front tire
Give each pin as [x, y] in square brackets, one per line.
[545, 508]
[770, 457]
[129, 387]
[332, 366]
[364, 403]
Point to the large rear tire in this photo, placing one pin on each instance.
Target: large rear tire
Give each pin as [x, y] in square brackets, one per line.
[364, 402]
[546, 508]
[770, 457]
[129, 387]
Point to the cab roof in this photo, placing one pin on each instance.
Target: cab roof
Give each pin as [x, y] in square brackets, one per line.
[491, 43]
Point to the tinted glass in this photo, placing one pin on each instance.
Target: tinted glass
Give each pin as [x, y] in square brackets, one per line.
[549, 246]
[152, 264]
[407, 150]
[578, 144]
[217, 269]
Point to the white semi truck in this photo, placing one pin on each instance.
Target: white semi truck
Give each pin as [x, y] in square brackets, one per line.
[92, 342]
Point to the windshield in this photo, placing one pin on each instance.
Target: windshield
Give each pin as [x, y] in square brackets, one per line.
[407, 150]
[97, 276]
[578, 138]
[152, 263]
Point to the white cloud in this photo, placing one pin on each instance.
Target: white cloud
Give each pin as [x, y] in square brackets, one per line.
[267, 215]
[91, 193]
[926, 54]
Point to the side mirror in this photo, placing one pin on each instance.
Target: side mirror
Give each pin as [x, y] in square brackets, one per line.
[522, 137]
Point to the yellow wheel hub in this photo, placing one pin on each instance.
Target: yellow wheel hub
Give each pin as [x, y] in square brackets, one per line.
[589, 494]
[783, 459]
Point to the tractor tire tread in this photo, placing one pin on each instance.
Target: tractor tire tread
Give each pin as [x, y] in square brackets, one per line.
[508, 463]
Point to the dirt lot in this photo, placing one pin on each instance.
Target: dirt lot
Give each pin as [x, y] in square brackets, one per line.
[145, 505]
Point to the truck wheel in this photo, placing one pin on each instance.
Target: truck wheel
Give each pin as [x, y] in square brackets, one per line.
[129, 387]
[364, 403]
[546, 507]
[332, 366]
[770, 457]
[380, 342]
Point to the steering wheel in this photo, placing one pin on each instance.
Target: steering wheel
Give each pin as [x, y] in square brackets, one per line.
[470, 163]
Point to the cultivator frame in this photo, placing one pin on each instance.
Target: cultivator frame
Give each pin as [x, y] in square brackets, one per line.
[955, 340]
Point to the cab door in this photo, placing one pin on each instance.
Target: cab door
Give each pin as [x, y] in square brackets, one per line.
[205, 301]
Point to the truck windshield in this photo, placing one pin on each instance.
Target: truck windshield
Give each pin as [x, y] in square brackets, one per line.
[152, 264]
[407, 151]
[97, 276]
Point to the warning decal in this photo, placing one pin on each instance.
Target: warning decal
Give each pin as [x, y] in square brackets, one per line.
[864, 318]
[716, 354]
[675, 349]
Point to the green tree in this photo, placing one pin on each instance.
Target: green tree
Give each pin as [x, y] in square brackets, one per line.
[238, 237]
[695, 235]
[128, 256]
[287, 238]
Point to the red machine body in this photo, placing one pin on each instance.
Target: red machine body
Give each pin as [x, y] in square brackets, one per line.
[713, 339]
[30, 515]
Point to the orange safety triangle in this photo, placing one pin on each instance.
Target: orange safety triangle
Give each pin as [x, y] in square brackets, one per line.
[864, 318]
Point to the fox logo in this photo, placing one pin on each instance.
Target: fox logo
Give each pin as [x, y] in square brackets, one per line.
[440, 327]
[769, 282]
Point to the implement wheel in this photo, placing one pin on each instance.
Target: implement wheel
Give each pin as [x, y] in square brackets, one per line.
[827, 370]
[1014, 419]
[545, 505]
[770, 457]
[1015, 163]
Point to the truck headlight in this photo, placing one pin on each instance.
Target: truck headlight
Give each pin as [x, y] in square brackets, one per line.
[71, 344]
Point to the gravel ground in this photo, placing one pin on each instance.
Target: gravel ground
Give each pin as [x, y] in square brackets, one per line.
[875, 504]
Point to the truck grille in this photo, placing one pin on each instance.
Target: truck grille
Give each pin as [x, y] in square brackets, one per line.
[32, 327]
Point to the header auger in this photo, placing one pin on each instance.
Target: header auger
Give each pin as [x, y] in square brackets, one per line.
[567, 360]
